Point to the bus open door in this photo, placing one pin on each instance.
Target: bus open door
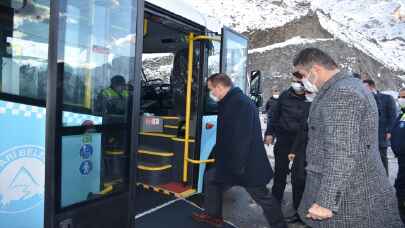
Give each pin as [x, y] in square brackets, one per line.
[90, 126]
[105, 115]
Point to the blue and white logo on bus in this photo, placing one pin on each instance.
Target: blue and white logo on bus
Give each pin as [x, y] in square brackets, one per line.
[22, 174]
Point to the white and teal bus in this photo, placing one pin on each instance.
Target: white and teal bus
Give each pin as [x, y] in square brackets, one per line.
[66, 164]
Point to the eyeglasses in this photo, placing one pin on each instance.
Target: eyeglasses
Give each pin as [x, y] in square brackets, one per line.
[298, 75]
[401, 97]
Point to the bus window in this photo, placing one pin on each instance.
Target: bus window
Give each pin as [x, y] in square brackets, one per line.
[24, 48]
[96, 52]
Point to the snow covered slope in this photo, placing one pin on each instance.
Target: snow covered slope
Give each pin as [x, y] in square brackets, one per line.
[377, 27]
[244, 15]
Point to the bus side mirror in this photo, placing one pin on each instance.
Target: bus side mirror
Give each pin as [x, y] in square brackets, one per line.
[255, 87]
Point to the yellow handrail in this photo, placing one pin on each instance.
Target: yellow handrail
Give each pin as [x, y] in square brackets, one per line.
[201, 161]
[188, 103]
[88, 90]
[114, 152]
[170, 126]
[161, 154]
[169, 117]
[108, 189]
[191, 39]
[182, 140]
[159, 168]
[207, 38]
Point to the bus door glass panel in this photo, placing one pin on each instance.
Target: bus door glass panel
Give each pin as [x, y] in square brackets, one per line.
[214, 58]
[234, 57]
[209, 118]
[96, 52]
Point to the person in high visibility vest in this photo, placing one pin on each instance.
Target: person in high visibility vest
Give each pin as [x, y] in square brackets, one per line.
[112, 105]
[113, 100]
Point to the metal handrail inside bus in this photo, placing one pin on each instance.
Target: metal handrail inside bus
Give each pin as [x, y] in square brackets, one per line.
[186, 160]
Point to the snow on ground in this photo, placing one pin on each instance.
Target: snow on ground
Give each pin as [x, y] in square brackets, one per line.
[292, 41]
[156, 56]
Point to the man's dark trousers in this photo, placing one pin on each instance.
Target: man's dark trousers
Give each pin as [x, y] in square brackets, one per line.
[384, 157]
[298, 175]
[400, 186]
[282, 148]
[213, 200]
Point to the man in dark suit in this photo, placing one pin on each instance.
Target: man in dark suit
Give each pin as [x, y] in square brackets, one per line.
[398, 147]
[386, 116]
[240, 156]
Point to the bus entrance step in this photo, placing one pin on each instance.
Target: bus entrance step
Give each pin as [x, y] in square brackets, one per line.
[173, 214]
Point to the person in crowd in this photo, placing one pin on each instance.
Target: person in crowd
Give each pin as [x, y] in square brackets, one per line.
[289, 113]
[113, 100]
[297, 155]
[271, 103]
[275, 94]
[240, 156]
[386, 117]
[346, 184]
[398, 147]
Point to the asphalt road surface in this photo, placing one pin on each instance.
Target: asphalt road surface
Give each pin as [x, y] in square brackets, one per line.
[242, 211]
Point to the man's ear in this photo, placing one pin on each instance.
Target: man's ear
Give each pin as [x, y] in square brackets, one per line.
[318, 68]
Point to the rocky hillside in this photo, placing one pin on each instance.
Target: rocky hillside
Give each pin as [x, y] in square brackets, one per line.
[366, 36]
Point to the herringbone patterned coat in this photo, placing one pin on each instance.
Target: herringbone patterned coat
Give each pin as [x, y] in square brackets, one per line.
[344, 171]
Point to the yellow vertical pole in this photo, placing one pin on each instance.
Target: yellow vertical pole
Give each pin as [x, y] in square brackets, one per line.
[145, 26]
[87, 89]
[188, 104]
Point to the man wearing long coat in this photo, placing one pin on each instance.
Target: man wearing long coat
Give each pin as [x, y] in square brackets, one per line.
[240, 156]
[346, 183]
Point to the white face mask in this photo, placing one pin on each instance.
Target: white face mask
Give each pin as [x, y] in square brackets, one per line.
[298, 87]
[401, 102]
[309, 86]
[213, 97]
[310, 96]
[276, 96]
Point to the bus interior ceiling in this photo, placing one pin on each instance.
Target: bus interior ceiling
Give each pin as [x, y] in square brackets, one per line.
[163, 102]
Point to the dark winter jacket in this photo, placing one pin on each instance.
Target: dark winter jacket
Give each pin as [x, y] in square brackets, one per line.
[239, 152]
[398, 135]
[288, 114]
[271, 103]
[301, 138]
[387, 113]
